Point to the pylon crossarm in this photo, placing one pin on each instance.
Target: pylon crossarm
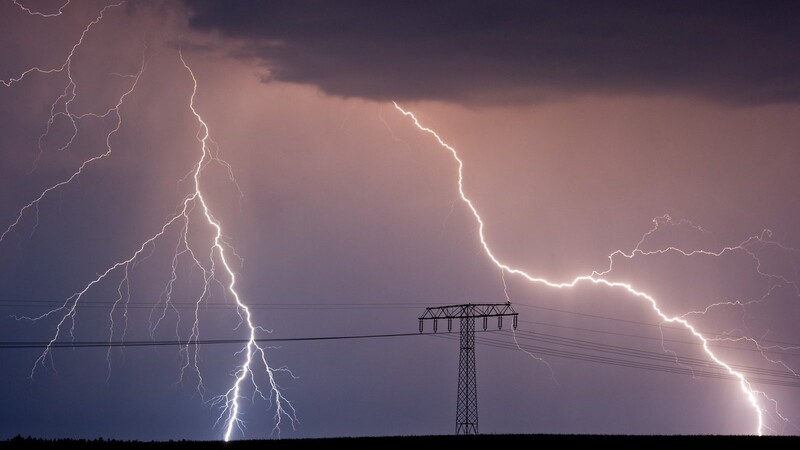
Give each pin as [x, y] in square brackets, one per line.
[473, 310]
[468, 310]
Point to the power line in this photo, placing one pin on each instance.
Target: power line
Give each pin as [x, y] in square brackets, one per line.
[95, 344]
[648, 324]
[541, 337]
[402, 305]
[205, 305]
[372, 305]
[661, 339]
[545, 351]
[644, 354]
[530, 336]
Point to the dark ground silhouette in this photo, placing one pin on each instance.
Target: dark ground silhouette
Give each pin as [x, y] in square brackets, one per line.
[411, 442]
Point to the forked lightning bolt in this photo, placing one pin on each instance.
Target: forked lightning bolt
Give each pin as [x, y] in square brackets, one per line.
[751, 395]
[191, 206]
[231, 399]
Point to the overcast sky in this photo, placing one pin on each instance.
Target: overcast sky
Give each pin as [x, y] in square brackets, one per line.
[578, 123]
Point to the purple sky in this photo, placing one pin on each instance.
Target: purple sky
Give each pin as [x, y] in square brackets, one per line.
[577, 126]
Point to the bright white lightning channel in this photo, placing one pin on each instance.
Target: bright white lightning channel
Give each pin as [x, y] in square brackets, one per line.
[750, 394]
[230, 401]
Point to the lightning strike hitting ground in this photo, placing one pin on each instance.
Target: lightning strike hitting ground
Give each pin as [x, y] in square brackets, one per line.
[192, 205]
[600, 278]
[230, 400]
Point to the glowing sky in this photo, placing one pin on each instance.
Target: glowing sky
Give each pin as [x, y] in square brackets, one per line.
[577, 125]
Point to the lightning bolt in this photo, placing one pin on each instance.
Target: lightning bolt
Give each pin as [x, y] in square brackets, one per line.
[231, 399]
[216, 267]
[41, 14]
[750, 394]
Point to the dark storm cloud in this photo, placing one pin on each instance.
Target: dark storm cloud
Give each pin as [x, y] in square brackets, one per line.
[518, 51]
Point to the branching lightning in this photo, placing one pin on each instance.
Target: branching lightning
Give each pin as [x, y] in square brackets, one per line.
[230, 400]
[755, 398]
[193, 209]
[42, 14]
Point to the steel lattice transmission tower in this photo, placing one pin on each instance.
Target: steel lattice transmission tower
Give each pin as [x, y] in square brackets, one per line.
[467, 402]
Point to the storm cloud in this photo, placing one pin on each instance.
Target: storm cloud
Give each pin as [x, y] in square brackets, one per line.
[501, 52]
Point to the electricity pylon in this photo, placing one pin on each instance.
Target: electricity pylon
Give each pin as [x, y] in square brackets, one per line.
[467, 402]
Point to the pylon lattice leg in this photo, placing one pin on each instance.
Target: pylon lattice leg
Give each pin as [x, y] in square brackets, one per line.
[467, 402]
